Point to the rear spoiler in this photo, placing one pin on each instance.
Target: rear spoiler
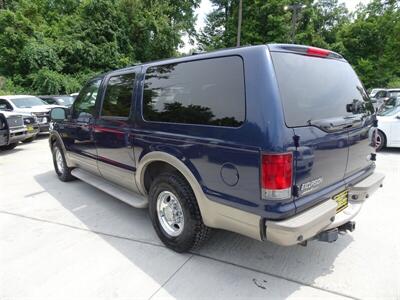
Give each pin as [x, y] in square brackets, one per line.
[305, 50]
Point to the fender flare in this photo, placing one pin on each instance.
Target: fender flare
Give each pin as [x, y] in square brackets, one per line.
[54, 135]
[214, 214]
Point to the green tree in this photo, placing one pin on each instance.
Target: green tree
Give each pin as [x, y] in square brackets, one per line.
[49, 46]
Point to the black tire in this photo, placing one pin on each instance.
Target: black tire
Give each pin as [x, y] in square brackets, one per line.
[9, 146]
[194, 231]
[29, 140]
[64, 173]
[382, 140]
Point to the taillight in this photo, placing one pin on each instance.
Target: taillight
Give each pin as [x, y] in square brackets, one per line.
[317, 52]
[276, 176]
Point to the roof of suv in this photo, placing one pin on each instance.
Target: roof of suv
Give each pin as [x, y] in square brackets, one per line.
[11, 97]
[290, 48]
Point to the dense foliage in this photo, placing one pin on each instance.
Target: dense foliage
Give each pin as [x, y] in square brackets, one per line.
[369, 38]
[53, 46]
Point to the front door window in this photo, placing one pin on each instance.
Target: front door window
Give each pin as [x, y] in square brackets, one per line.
[84, 105]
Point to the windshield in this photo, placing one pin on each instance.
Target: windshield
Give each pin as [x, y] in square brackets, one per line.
[314, 88]
[65, 100]
[390, 111]
[27, 102]
[394, 94]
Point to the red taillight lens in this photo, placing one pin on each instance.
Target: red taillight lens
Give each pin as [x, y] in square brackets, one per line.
[277, 170]
[317, 52]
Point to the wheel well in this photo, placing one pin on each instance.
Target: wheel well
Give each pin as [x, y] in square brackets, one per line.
[384, 134]
[154, 169]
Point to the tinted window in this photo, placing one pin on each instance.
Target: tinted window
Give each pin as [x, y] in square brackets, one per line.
[84, 104]
[4, 105]
[50, 101]
[207, 92]
[314, 88]
[380, 94]
[118, 96]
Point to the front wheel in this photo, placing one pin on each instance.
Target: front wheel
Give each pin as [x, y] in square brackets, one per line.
[175, 214]
[9, 146]
[60, 164]
[380, 141]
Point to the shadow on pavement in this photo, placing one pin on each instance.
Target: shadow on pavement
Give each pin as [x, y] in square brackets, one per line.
[9, 152]
[104, 214]
[389, 150]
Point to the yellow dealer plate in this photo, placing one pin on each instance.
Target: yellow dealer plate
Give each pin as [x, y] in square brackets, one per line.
[30, 128]
[342, 200]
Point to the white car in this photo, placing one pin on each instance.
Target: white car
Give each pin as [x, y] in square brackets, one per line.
[388, 128]
[28, 104]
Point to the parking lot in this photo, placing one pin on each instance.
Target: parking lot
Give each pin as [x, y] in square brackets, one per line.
[71, 241]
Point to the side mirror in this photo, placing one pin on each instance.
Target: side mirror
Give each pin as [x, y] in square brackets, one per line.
[58, 114]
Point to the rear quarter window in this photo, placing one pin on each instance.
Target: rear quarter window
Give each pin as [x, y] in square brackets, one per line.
[206, 92]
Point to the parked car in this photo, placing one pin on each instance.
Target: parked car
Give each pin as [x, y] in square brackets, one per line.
[32, 127]
[12, 130]
[62, 100]
[388, 128]
[211, 141]
[28, 104]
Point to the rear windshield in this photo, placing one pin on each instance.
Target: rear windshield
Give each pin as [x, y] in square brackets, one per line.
[314, 88]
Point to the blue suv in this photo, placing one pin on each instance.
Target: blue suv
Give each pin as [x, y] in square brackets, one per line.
[274, 142]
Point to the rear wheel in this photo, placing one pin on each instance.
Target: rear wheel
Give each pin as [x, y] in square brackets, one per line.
[60, 164]
[9, 146]
[380, 140]
[175, 213]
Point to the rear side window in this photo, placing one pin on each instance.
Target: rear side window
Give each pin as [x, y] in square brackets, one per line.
[208, 92]
[314, 88]
[118, 96]
[4, 105]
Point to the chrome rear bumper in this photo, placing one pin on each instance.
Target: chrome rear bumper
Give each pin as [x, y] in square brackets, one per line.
[323, 216]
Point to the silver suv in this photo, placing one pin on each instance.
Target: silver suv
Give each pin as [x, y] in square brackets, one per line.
[12, 130]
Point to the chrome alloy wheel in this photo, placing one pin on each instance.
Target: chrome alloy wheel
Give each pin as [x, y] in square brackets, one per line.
[170, 213]
[59, 161]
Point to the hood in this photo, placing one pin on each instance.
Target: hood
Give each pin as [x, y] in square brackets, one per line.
[37, 109]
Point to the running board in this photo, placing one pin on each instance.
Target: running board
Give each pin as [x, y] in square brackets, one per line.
[112, 189]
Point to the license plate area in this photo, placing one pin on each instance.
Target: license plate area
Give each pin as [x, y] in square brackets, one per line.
[342, 200]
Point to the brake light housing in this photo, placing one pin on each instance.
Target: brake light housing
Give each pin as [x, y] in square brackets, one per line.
[276, 176]
[318, 52]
